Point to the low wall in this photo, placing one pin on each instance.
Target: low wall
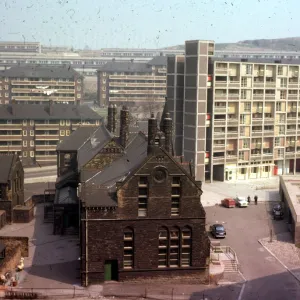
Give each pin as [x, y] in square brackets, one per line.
[12, 241]
[13, 254]
[40, 198]
[23, 214]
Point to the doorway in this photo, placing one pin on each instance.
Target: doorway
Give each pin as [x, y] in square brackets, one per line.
[111, 270]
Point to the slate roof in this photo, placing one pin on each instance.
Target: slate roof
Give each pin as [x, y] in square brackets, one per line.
[38, 71]
[131, 66]
[6, 162]
[66, 195]
[76, 139]
[158, 61]
[95, 142]
[41, 112]
[102, 186]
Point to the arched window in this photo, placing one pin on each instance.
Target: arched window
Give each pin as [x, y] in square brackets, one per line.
[186, 245]
[128, 248]
[174, 247]
[163, 246]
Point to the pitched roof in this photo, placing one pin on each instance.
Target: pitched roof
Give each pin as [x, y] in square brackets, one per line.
[41, 112]
[76, 139]
[6, 162]
[39, 71]
[93, 144]
[104, 182]
[131, 66]
[158, 61]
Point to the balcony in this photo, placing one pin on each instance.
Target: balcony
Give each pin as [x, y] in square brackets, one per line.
[45, 147]
[219, 84]
[233, 121]
[233, 96]
[292, 97]
[232, 134]
[269, 132]
[257, 133]
[47, 126]
[231, 158]
[268, 121]
[258, 96]
[256, 146]
[218, 147]
[257, 109]
[291, 132]
[11, 148]
[257, 121]
[6, 137]
[220, 109]
[290, 143]
[292, 85]
[46, 157]
[270, 84]
[270, 96]
[234, 84]
[221, 71]
[291, 120]
[218, 160]
[137, 77]
[42, 98]
[52, 83]
[138, 84]
[292, 109]
[218, 134]
[289, 154]
[220, 96]
[11, 126]
[219, 122]
[258, 84]
[43, 137]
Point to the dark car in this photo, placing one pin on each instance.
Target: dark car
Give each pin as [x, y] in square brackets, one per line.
[278, 211]
[218, 231]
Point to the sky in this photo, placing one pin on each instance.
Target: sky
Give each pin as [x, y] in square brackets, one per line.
[145, 23]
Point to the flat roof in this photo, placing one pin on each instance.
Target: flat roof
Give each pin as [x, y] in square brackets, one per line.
[290, 185]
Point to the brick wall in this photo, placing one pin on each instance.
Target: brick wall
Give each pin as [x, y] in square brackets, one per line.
[2, 218]
[6, 205]
[105, 242]
[23, 214]
[12, 241]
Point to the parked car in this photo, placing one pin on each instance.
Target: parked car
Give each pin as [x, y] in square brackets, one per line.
[228, 202]
[241, 202]
[278, 211]
[218, 231]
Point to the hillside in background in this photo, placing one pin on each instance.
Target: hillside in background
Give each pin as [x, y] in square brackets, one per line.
[283, 44]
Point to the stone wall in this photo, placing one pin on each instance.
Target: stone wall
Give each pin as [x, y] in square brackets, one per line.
[2, 218]
[12, 241]
[6, 205]
[13, 254]
[23, 214]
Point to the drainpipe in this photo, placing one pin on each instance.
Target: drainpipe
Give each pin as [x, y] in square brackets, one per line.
[86, 248]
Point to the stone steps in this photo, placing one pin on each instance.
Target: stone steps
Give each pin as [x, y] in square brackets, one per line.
[230, 266]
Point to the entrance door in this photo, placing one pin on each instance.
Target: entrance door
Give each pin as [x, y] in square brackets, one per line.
[111, 270]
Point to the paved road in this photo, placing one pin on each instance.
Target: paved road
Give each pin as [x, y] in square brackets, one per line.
[267, 278]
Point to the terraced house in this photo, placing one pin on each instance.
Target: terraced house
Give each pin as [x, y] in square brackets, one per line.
[34, 130]
[36, 84]
[235, 118]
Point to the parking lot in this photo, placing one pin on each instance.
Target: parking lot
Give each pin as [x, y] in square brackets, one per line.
[266, 277]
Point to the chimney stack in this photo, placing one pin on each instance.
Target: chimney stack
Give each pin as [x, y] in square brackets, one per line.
[13, 107]
[50, 107]
[110, 118]
[114, 118]
[152, 131]
[168, 131]
[124, 126]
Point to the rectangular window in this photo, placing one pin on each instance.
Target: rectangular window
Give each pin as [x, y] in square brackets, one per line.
[68, 122]
[31, 132]
[32, 143]
[243, 171]
[79, 88]
[248, 69]
[278, 106]
[241, 155]
[280, 70]
[24, 143]
[163, 248]
[6, 95]
[78, 96]
[62, 122]
[67, 132]
[128, 249]
[254, 170]
[247, 106]
[24, 132]
[243, 94]
[24, 153]
[62, 132]
[31, 153]
[31, 122]
[277, 141]
[143, 181]
[266, 169]
[24, 122]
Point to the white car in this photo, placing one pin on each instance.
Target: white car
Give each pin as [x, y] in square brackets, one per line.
[241, 201]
